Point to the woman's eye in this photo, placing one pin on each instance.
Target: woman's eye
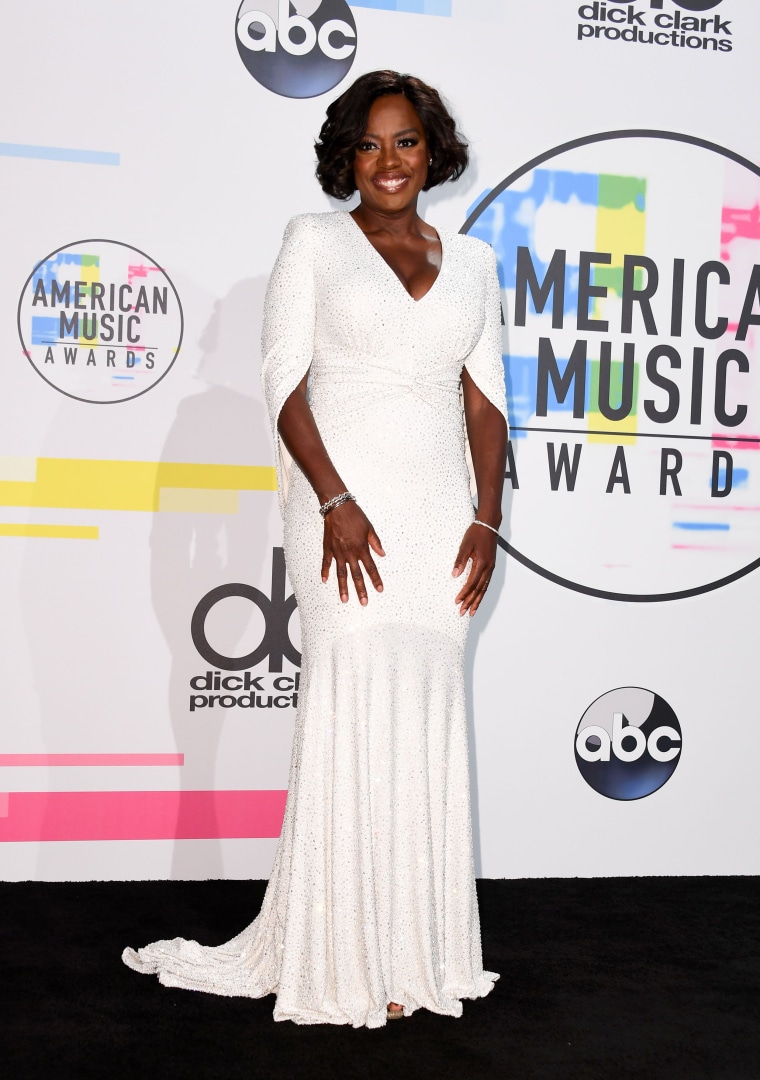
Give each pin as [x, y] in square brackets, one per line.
[366, 146]
[407, 142]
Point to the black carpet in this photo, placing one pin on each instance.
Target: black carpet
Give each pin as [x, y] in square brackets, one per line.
[611, 979]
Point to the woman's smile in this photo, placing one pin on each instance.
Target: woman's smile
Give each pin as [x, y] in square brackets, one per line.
[390, 182]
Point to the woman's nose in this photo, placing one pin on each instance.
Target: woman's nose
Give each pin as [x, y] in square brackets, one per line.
[389, 156]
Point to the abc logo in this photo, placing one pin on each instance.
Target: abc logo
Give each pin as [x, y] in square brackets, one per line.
[628, 743]
[297, 55]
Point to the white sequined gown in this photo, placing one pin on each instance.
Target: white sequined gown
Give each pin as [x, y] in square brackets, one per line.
[372, 895]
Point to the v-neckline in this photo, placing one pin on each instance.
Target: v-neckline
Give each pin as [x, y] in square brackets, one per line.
[390, 269]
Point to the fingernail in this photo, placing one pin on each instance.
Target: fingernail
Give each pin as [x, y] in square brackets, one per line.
[363, 601]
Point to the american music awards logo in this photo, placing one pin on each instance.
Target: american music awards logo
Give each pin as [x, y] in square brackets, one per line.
[100, 321]
[630, 269]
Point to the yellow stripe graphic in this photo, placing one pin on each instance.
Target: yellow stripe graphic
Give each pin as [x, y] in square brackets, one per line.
[18, 468]
[621, 230]
[197, 501]
[84, 484]
[59, 532]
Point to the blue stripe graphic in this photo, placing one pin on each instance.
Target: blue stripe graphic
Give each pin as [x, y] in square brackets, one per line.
[700, 526]
[414, 7]
[59, 153]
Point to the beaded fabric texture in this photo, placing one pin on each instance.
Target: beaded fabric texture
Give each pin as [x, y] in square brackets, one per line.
[372, 895]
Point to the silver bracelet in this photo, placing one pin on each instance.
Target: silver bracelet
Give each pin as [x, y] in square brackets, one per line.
[336, 500]
[486, 526]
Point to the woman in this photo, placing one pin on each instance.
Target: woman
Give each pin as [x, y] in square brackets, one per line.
[379, 335]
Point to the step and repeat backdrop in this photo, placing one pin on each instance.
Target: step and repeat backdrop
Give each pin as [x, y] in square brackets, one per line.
[152, 154]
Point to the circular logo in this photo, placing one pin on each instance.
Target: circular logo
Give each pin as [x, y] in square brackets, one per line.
[630, 270]
[687, 5]
[276, 609]
[296, 48]
[692, 5]
[628, 743]
[100, 321]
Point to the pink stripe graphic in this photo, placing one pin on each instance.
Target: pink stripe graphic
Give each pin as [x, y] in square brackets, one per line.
[141, 815]
[699, 547]
[727, 509]
[721, 439]
[91, 759]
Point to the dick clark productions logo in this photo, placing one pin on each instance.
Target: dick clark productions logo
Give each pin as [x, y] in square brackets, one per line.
[296, 48]
[676, 23]
[249, 690]
[628, 743]
[100, 321]
[277, 609]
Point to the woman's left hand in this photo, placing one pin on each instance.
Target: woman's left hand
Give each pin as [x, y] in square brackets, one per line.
[479, 545]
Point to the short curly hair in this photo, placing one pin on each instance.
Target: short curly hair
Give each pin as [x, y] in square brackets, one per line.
[346, 124]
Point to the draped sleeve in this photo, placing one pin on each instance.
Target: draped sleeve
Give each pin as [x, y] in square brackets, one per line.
[484, 363]
[287, 336]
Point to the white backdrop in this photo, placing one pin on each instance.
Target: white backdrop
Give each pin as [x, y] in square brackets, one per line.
[125, 500]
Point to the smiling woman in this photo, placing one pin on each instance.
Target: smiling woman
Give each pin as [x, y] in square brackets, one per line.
[382, 354]
[345, 128]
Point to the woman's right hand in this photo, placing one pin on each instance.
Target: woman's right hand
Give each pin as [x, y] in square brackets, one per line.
[349, 539]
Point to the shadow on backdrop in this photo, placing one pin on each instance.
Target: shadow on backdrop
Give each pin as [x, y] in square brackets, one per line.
[193, 552]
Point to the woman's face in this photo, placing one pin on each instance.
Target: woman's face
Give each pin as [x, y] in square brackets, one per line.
[391, 163]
